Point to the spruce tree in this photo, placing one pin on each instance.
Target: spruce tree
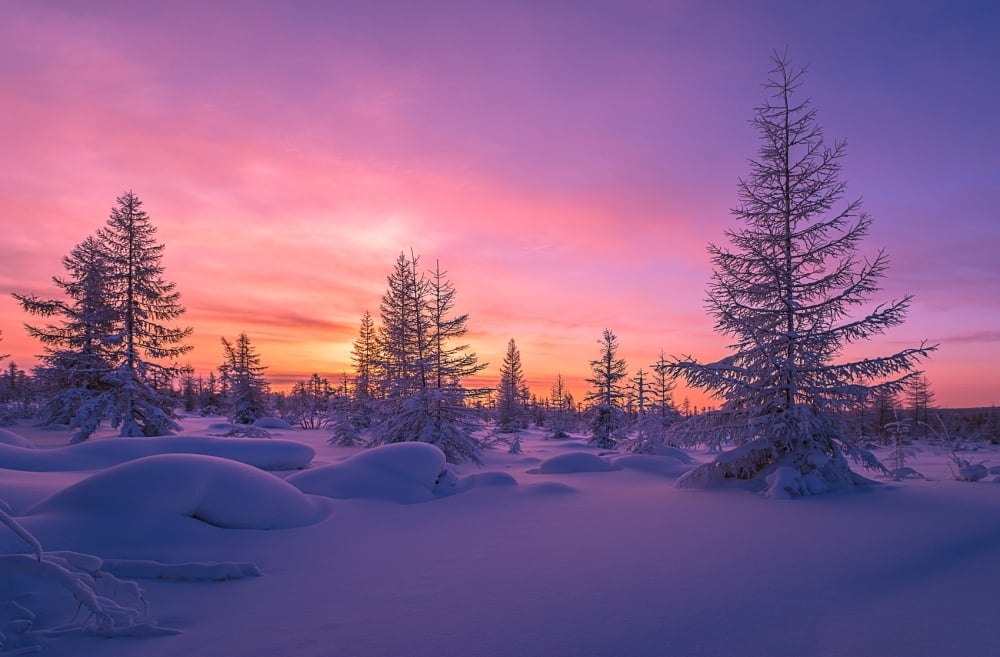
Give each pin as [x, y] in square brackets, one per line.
[449, 363]
[788, 292]
[142, 301]
[79, 351]
[419, 366]
[354, 412]
[607, 419]
[511, 392]
[662, 390]
[660, 414]
[401, 363]
[364, 353]
[246, 399]
[921, 398]
[562, 406]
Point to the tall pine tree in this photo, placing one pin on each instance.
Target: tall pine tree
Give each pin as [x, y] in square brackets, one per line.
[364, 354]
[420, 369]
[607, 419]
[144, 348]
[246, 398]
[560, 416]
[787, 292]
[401, 364]
[511, 392]
[79, 356]
[355, 412]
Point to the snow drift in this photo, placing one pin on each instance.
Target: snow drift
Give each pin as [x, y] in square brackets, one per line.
[11, 438]
[216, 491]
[96, 454]
[406, 473]
[572, 463]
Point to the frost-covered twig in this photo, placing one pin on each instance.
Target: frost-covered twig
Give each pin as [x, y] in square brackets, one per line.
[966, 469]
[78, 574]
[954, 443]
[107, 617]
[19, 530]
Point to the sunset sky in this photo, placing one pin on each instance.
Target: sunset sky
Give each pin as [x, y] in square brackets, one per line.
[566, 161]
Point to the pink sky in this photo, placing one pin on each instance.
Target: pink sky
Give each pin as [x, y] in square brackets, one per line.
[567, 162]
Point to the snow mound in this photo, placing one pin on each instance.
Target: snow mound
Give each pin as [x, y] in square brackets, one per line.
[548, 488]
[11, 438]
[406, 473]
[662, 465]
[572, 463]
[216, 491]
[271, 423]
[97, 454]
[667, 450]
[568, 443]
[221, 427]
[486, 479]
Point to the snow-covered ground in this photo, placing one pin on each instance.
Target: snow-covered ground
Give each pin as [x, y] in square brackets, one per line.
[556, 551]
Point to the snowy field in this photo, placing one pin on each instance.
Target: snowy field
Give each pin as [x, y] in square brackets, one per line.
[554, 552]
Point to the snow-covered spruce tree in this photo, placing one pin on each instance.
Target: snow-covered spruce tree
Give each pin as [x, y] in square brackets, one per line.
[210, 400]
[654, 412]
[17, 393]
[788, 292]
[562, 407]
[606, 418]
[511, 392]
[246, 388]
[364, 352]
[401, 362]
[355, 414]
[138, 399]
[656, 407]
[80, 350]
[449, 362]
[421, 369]
[452, 420]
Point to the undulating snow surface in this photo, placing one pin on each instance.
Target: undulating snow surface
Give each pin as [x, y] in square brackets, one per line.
[390, 552]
